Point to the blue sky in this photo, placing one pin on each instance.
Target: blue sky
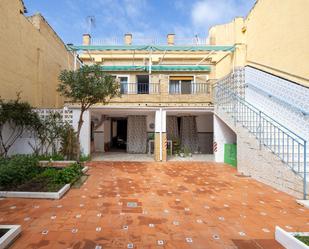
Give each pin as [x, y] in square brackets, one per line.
[142, 18]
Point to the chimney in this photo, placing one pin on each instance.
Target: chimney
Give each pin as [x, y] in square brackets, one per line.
[86, 39]
[128, 39]
[171, 39]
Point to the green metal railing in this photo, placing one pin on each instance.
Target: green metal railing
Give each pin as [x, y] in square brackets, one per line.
[284, 143]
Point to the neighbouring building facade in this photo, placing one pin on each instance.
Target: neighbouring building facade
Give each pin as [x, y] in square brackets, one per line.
[32, 56]
[248, 85]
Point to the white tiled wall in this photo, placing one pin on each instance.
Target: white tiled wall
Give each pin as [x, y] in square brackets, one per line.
[280, 99]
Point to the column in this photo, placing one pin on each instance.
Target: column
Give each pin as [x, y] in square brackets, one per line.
[160, 136]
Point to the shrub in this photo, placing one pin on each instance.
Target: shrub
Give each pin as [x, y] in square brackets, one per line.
[62, 176]
[17, 170]
[19, 117]
[69, 174]
[85, 158]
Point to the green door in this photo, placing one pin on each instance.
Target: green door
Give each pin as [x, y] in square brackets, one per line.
[230, 154]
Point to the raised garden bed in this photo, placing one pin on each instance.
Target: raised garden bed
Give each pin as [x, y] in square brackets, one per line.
[24, 177]
[292, 240]
[60, 163]
[8, 234]
[47, 194]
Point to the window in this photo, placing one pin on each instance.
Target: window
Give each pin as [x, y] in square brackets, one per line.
[142, 84]
[181, 84]
[123, 80]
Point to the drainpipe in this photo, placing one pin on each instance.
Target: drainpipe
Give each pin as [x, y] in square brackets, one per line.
[161, 138]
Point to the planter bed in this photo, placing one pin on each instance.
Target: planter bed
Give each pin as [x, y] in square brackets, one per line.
[60, 164]
[8, 234]
[39, 190]
[23, 176]
[36, 195]
[294, 240]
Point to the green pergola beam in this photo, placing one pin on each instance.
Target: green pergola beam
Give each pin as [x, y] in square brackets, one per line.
[158, 68]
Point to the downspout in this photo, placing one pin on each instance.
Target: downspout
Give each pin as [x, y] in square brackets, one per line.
[161, 138]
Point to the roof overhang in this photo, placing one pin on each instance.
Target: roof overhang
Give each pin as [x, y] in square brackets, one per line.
[150, 48]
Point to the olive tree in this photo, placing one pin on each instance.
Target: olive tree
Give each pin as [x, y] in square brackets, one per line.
[87, 86]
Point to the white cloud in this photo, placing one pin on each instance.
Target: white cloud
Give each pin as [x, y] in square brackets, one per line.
[208, 12]
[134, 8]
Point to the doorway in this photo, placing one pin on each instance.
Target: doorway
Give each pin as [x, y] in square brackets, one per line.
[119, 134]
[142, 84]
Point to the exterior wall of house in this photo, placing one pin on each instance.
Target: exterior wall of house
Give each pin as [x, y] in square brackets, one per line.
[273, 37]
[277, 38]
[162, 97]
[223, 134]
[102, 134]
[32, 56]
[85, 131]
[229, 34]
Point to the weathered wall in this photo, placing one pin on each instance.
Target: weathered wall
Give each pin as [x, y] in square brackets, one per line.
[31, 57]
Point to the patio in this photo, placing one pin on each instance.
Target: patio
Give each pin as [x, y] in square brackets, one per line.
[157, 205]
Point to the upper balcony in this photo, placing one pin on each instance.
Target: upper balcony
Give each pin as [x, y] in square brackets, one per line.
[154, 71]
[174, 88]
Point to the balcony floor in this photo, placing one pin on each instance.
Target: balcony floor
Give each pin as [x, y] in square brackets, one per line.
[180, 204]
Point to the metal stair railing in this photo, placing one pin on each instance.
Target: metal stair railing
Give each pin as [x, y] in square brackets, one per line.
[284, 143]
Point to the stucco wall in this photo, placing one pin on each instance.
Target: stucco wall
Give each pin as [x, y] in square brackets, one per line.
[227, 34]
[273, 37]
[223, 134]
[31, 57]
[277, 38]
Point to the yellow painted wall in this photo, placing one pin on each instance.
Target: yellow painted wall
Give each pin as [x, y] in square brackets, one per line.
[278, 38]
[273, 37]
[227, 34]
[31, 57]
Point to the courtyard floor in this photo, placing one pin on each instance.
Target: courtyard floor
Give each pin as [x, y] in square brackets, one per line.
[157, 205]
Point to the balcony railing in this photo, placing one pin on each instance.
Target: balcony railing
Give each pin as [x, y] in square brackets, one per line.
[189, 88]
[139, 88]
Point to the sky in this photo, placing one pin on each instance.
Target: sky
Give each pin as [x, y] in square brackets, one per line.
[142, 18]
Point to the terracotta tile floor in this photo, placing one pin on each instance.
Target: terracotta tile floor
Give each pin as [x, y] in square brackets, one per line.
[151, 205]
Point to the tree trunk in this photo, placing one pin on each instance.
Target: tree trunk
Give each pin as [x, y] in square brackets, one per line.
[79, 127]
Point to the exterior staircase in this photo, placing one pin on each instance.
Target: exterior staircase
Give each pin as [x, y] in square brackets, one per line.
[266, 150]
